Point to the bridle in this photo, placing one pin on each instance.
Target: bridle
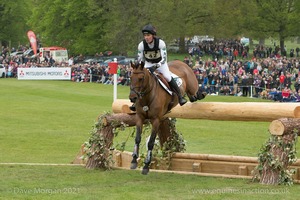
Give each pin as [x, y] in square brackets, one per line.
[138, 89]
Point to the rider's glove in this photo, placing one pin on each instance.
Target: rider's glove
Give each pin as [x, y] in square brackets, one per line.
[158, 65]
[152, 69]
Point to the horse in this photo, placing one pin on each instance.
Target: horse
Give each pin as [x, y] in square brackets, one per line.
[152, 101]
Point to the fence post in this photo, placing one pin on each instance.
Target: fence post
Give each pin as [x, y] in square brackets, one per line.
[115, 81]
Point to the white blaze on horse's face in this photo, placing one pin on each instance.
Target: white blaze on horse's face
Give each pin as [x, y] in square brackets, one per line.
[148, 37]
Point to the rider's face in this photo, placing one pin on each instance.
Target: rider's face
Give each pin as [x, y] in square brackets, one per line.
[148, 37]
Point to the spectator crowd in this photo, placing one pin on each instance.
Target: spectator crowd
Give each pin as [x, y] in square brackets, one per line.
[225, 67]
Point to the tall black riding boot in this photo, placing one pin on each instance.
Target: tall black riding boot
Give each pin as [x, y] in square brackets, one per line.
[176, 89]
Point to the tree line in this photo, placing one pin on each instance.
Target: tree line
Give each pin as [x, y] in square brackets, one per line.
[90, 26]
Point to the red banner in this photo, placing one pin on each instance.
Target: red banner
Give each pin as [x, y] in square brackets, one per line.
[32, 39]
[113, 67]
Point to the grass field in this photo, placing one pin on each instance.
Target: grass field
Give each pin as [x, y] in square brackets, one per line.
[47, 121]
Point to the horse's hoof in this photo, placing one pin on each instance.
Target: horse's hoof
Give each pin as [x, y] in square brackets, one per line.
[145, 171]
[193, 99]
[133, 166]
[202, 95]
[182, 101]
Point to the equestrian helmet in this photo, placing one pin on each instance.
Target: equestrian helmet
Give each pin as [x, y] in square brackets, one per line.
[149, 29]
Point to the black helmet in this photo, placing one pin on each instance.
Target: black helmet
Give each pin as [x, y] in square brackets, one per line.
[149, 29]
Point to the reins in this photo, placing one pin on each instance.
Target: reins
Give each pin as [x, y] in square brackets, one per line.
[142, 93]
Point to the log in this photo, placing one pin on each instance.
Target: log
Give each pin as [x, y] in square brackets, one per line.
[199, 164]
[100, 151]
[244, 111]
[278, 158]
[118, 119]
[284, 126]
[271, 173]
[213, 157]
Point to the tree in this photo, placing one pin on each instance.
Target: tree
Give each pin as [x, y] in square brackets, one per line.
[277, 18]
[13, 18]
[90, 26]
[77, 25]
[187, 18]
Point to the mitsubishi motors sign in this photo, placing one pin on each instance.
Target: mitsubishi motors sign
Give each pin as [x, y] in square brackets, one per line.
[51, 73]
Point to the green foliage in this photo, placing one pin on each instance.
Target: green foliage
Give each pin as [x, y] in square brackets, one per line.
[175, 143]
[13, 19]
[276, 163]
[100, 141]
[96, 146]
[78, 25]
[91, 26]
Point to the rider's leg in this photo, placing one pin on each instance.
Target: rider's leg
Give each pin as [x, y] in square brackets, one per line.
[164, 69]
[176, 89]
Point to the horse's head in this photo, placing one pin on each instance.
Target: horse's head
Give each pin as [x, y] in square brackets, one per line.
[138, 81]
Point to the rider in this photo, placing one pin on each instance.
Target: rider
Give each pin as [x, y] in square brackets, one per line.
[152, 50]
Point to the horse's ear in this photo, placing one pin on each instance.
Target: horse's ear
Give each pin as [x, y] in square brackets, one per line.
[142, 64]
[131, 64]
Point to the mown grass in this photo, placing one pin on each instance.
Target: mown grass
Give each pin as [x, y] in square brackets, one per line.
[47, 121]
[61, 182]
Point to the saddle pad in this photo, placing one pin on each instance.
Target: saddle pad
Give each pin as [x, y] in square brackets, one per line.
[177, 80]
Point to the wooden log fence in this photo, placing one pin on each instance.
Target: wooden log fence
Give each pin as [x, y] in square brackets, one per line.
[203, 165]
[285, 118]
[245, 111]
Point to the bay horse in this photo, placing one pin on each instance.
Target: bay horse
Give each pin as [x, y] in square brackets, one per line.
[152, 101]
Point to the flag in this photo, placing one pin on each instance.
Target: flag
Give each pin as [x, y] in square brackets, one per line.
[32, 39]
[113, 67]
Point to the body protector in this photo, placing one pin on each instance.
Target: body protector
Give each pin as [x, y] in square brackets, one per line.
[155, 53]
[152, 55]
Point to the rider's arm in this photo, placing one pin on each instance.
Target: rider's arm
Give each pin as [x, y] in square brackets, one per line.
[163, 52]
[141, 52]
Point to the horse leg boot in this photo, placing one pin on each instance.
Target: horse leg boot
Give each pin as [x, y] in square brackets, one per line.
[176, 89]
[135, 156]
[148, 158]
[147, 162]
[135, 153]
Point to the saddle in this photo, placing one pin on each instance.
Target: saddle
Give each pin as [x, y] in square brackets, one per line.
[164, 83]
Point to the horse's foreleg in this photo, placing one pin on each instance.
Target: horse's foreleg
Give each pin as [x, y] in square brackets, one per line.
[201, 93]
[151, 142]
[135, 153]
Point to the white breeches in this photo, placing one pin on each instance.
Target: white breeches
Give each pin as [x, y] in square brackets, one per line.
[164, 70]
